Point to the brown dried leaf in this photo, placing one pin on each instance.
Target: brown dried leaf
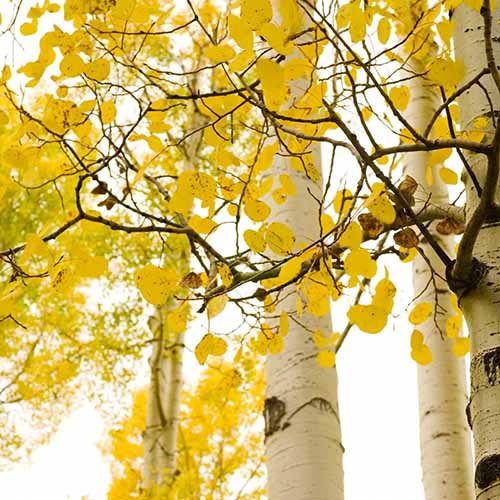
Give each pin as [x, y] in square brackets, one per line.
[449, 226]
[109, 202]
[191, 280]
[260, 294]
[407, 189]
[406, 238]
[371, 225]
[101, 188]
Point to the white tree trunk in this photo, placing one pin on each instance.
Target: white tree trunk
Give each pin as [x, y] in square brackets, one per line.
[445, 440]
[303, 441]
[481, 305]
[162, 417]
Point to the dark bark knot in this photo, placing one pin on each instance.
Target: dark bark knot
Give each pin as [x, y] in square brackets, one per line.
[491, 361]
[487, 471]
[462, 285]
[275, 410]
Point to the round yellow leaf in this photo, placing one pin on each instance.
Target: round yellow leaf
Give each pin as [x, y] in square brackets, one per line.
[326, 359]
[420, 313]
[254, 240]
[257, 210]
[369, 318]
[448, 176]
[280, 238]
[422, 354]
[155, 284]
[71, 65]
[461, 346]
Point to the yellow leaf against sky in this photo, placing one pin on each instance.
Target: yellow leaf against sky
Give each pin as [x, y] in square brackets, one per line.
[446, 72]
[360, 263]
[202, 225]
[277, 38]
[71, 65]
[216, 305]
[220, 53]
[383, 30]
[352, 236]
[98, 69]
[108, 112]
[209, 345]
[357, 26]
[368, 318]
[156, 284]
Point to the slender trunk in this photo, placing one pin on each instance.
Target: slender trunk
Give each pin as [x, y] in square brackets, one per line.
[445, 440]
[303, 441]
[163, 402]
[480, 305]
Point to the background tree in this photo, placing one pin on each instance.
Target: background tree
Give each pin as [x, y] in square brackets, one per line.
[220, 439]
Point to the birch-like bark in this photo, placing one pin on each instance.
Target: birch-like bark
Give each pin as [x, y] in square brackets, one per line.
[481, 305]
[303, 440]
[445, 441]
[166, 378]
[162, 417]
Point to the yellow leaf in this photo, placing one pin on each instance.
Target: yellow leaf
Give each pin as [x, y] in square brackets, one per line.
[422, 354]
[275, 344]
[62, 279]
[29, 28]
[342, 201]
[326, 359]
[181, 201]
[283, 324]
[288, 185]
[385, 291]
[448, 176]
[357, 28]
[257, 210]
[319, 339]
[400, 96]
[92, 267]
[98, 69]
[209, 345]
[290, 269]
[202, 225]
[417, 339]
[220, 53]
[242, 61]
[369, 318]
[240, 32]
[225, 274]
[446, 72]
[277, 38]
[254, 240]
[461, 346]
[256, 12]
[108, 112]
[380, 206]
[280, 238]
[383, 30]
[71, 65]
[360, 263]
[453, 325]
[156, 284]
[272, 78]
[420, 313]
[352, 236]
[216, 305]
[327, 223]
